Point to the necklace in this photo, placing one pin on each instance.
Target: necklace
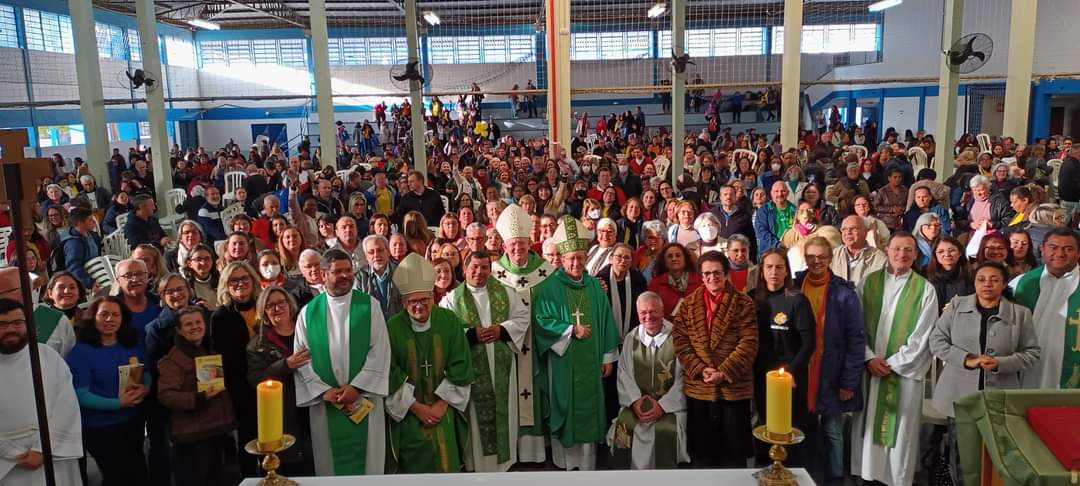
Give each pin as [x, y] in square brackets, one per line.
[421, 350]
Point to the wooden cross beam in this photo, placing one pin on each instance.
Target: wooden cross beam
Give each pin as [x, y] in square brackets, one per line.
[32, 170]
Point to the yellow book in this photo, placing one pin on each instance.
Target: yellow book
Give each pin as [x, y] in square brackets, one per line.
[209, 372]
[130, 374]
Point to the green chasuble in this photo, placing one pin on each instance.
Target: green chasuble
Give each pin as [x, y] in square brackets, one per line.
[886, 420]
[1027, 295]
[46, 319]
[424, 359]
[532, 378]
[576, 395]
[489, 391]
[348, 440]
[654, 373]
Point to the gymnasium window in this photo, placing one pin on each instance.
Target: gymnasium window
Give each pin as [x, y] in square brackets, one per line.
[179, 52]
[212, 53]
[607, 46]
[9, 36]
[825, 39]
[735, 41]
[480, 49]
[292, 52]
[134, 45]
[111, 42]
[243, 52]
[49, 32]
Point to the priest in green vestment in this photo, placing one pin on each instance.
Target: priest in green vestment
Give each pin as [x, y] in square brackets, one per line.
[495, 326]
[521, 270]
[431, 375]
[344, 331]
[577, 339]
[54, 329]
[1052, 293]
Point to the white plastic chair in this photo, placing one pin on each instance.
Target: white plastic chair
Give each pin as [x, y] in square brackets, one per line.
[175, 197]
[103, 270]
[917, 157]
[861, 149]
[121, 220]
[984, 143]
[5, 240]
[1055, 171]
[750, 154]
[344, 174]
[116, 245]
[233, 180]
[231, 212]
[445, 204]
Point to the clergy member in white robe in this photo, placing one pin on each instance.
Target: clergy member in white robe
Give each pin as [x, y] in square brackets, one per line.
[20, 444]
[340, 306]
[900, 309]
[1052, 292]
[490, 299]
[652, 421]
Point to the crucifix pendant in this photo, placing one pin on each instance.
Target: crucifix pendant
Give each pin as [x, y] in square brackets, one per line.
[577, 316]
[427, 367]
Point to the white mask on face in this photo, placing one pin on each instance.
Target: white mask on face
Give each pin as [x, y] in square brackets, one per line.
[586, 169]
[776, 167]
[594, 213]
[623, 168]
[707, 232]
[270, 272]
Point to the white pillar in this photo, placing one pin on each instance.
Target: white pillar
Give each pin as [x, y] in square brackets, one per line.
[791, 72]
[324, 94]
[155, 102]
[1018, 81]
[678, 89]
[558, 71]
[945, 133]
[91, 99]
[416, 97]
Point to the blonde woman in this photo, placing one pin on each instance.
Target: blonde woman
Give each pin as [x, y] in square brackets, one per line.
[590, 213]
[289, 245]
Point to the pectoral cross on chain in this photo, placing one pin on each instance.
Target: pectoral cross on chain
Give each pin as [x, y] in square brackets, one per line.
[1075, 321]
[577, 316]
[427, 367]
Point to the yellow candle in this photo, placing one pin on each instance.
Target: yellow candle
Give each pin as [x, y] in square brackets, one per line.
[269, 408]
[778, 385]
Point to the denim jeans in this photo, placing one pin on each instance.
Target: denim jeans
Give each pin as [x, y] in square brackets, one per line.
[831, 445]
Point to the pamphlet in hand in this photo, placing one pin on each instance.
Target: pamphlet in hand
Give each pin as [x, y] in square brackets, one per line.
[209, 372]
[131, 374]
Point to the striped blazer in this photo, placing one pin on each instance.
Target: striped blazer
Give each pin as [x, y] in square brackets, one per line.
[730, 347]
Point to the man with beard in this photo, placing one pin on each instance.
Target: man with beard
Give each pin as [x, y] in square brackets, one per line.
[522, 271]
[345, 333]
[21, 464]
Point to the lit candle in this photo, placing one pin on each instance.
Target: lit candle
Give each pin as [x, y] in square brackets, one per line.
[778, 385]
[269, 408]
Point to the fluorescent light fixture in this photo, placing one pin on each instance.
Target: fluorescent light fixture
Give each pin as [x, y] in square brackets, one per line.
[657, 10]
[204, 24]
[432, 18]
[884, 4]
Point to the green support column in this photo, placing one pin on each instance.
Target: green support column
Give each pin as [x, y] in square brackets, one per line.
[91, 99]
[951, 30]
[791, 72]
[416, 98]
[678, 89]
[155, 101]
[324, 94]
[1018, 80]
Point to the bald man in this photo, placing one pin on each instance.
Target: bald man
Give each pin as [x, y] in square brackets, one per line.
[855, 259]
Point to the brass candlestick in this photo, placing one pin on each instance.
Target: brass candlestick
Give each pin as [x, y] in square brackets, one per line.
[776, 474]
[270, 461]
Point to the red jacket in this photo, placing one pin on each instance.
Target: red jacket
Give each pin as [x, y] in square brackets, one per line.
[672, 296]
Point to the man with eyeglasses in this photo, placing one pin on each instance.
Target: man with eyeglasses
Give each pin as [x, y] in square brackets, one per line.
[310, 282]
[133, 281]
[578, 341]
[834, 384]
[22, 462]
[715, 335]
[522, 270]
[344, 383]
[375, 278]
[855, 259]
[431, 370]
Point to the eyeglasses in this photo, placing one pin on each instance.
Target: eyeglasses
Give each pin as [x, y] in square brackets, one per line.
[15, 324]
[174, 291]
[817, 257]
[277, 305]
[712, 274]
[240, 281]
[134, 276]
[417, 301]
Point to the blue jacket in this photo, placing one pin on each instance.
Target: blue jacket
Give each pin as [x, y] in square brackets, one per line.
[79, 249]
[912, 215]
[212, 225]
[138, 231]
[765, 228]
[843, 347]
[159, 337]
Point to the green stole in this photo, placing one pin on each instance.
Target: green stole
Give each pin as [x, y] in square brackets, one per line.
[348, 441]
[1027, 295]
[654, 376]
[46, 319]
[904, 322]
[488, 398]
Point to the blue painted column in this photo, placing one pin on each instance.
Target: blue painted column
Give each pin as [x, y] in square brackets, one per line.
[768, 40]
[922, 109]
[881, 113]
[28, 77]
[425, 61]
[1040, 111]
[658, 58]
[849, 110]
[540, 47]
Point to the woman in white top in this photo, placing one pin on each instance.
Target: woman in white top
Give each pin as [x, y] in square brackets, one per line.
[597, 258]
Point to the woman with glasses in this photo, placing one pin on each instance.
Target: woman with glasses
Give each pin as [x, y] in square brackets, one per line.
[1021, 257]
[877, 234]
[155, 263]
[597, 257]
[948, 271]
[112, 425]
[994, 248]
[202, 275]
[271, 355]
[175, 295]
[56, 224]
[927, 231]
[233, 324]
[191, 234]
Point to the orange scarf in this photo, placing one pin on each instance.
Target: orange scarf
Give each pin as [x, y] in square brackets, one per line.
[817, 292]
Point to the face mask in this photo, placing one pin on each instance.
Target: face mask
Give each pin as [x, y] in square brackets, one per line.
[793, 178]
[270, 272]
[623, 169]
[580, 194]
[594, 213]
[707, 232]
[776, 167]
[585, 169]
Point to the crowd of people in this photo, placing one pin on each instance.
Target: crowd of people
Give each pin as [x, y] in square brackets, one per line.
[529, 306]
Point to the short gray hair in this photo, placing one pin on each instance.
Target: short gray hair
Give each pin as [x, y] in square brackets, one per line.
[979, 180]
[650, 295]
[740, 238]
[607, 222]
[308, 252]
[369, 238]
[86, 178]
[474, 226]
[654, 226]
